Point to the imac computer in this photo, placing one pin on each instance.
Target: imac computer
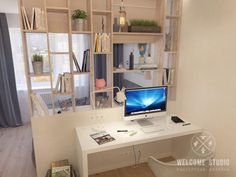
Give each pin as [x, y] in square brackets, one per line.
[145, 102]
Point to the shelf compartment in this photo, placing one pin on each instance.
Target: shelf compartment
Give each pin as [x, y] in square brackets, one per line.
[129, 37]
[57, 9]
[101, 12]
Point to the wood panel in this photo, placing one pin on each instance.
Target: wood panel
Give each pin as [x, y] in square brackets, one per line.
[141, 170]
[15, 152]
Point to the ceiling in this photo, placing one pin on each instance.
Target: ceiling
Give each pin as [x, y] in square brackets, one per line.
[8, 6]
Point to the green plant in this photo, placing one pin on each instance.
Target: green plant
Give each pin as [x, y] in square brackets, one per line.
[79, 14]
[37, 58]
[141, 22]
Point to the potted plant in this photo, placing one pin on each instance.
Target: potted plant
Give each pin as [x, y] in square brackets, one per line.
[37, 62]
[145, 26]
[79, 16]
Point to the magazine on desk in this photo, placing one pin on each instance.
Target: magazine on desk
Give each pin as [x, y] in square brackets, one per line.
[102, 137]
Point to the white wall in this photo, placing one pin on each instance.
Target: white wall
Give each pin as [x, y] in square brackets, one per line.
[207, 69]
[8, 6]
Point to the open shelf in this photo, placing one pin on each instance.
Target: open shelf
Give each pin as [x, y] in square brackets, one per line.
[34, 31]
[101, 12]
[59, 53]
[130, 37]
[170, 52]
[57, 9]
[39, 75]
[62, 94]
[134, 70]
[107, 89]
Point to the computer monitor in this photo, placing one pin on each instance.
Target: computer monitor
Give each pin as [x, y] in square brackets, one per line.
[144, 103]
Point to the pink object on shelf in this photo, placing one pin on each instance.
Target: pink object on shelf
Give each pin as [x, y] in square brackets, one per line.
[100, 83]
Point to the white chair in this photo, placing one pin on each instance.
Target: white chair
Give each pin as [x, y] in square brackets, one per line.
[173, 169]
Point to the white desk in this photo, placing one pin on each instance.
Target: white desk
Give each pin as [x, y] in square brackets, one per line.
[86, 145]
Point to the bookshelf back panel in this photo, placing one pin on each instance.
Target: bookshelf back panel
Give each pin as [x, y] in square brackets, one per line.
[58, 22]
[101, 4]
[29, 4]
[57, 3]
[97, 23]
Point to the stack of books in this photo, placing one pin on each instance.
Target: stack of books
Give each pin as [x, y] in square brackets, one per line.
[64, 83]
[102, 43]
[37, 21]
[85, 62]
[61, 169]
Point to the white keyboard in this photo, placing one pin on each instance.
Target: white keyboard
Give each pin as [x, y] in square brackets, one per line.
[155, 128]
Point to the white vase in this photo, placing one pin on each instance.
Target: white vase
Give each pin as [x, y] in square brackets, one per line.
[79, 24]
[37, 67]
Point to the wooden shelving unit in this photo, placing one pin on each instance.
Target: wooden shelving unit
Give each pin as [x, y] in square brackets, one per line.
[58, 21]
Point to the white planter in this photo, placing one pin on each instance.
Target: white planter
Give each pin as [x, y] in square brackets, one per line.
[37, 67]
[79, 24]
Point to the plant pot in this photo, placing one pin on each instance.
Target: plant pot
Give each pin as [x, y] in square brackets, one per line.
[100, 83]
[79, 24]
[37, 67]
[145, 29]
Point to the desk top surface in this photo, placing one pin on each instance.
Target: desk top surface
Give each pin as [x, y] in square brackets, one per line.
[168, 130]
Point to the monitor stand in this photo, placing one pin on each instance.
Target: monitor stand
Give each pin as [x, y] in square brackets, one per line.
[144, 122]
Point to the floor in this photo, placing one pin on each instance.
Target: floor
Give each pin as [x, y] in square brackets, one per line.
[141, 170]
[16, 161]
[15, 152]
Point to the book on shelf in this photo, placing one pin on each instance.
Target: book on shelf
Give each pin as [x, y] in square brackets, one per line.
[76, 62]
[37, 21]
[68, 83]
[102, 43]
[86, 61]
[64, 83]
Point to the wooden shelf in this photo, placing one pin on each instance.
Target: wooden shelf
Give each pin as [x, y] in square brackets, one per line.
[170, 52]
[34, 31]
[58, 9]
[101, 12]
[172, 16]
[62, 94]
[59, 53]
[130, 37]
[82, 32]
[80, 73]
[107, 89]
[102, 53]
[39, 75]
[135, 70]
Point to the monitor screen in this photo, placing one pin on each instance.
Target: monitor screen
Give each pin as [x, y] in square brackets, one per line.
[145, 100]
